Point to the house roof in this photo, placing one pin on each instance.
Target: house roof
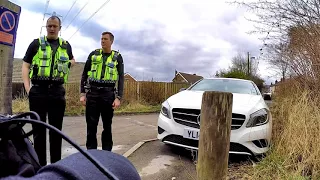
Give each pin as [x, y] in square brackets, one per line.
[191, 78]
[130, 76]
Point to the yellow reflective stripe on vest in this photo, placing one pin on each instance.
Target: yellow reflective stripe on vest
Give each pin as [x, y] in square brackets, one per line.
[62, 61]
[110, 73]
[96, 63]
[44, 58]
[62, 67]
[115, 70]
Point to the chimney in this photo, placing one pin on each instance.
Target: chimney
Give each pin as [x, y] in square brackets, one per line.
[175, 72]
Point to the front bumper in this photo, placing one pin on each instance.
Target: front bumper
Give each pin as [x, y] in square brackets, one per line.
[247, 141]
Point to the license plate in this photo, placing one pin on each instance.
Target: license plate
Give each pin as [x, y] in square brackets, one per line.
[191, 134]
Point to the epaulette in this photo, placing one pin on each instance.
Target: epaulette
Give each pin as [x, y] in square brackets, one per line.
[64, 44]
[97, 52]
[43, 43]
[115, 56]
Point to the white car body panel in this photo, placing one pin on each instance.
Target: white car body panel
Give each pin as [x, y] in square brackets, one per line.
[243, 137]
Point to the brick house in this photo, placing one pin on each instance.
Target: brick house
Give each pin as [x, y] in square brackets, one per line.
[186, 78]
[128, 77]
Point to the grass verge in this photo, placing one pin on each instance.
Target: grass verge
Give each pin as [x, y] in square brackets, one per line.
[295, 151]
[138, 108]
[22, 105]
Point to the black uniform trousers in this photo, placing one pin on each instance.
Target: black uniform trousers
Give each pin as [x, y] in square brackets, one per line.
[48, 100]
[99, 102]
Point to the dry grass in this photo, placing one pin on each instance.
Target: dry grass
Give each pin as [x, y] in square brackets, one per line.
[295, 152]
[20, 104]
[74, 108]
[137, 107]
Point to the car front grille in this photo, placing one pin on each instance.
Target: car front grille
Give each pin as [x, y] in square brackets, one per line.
[189, 117]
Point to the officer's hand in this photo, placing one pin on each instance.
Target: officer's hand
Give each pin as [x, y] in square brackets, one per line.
[83, 100]
[72, 61]
[116, 103]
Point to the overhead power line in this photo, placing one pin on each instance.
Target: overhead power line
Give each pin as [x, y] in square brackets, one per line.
[69, 10]
[77, 14]
[90, 17]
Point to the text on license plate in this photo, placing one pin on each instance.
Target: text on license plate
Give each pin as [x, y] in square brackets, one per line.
[191, 134]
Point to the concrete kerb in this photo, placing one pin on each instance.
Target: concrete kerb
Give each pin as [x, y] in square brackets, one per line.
[137, 146]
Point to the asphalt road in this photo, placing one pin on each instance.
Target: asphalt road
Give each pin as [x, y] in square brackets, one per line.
[127, 131]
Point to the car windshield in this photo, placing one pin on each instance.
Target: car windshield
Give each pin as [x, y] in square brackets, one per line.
[225, 85]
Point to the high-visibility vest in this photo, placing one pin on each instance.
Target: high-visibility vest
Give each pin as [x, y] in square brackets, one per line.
[42, 61]
[104, 70]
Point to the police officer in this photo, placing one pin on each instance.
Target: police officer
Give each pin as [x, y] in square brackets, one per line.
[103, 69]
[47, 63]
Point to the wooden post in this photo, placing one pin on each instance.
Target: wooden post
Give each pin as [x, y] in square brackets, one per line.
[138, 91]
[9, 19]
[165, 90]
[215, 129]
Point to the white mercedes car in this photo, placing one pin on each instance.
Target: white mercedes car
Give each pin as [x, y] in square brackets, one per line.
[179, 119]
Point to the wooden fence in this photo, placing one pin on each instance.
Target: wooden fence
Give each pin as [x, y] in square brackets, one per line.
[146, 91]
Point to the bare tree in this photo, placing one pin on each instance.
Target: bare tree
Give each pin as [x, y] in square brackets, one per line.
[277, 59]
[293, 26]
[240, 63]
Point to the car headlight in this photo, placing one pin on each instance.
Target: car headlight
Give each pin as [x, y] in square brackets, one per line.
[165, 109]
[258, 118]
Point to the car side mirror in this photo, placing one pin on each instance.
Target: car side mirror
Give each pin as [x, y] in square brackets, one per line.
[267, 97]
[182, 89]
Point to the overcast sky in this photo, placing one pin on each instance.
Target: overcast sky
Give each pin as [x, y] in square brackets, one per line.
[155, 37]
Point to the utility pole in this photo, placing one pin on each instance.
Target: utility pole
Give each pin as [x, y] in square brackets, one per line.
[44, 14]
[9, 20]
[248, 64]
